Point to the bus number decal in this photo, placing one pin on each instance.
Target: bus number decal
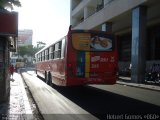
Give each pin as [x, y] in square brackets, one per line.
[98, 58]
[104, 60]
[112, 59]
[95, 79]
[94, 65]
[95, 58]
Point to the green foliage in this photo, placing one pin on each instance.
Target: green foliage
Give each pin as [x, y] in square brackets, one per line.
[9, 3]
[26, 50]
[29, 50]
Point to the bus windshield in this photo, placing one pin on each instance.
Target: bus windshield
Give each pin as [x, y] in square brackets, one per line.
[92, 42]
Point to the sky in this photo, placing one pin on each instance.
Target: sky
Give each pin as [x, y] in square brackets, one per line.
[49, 19]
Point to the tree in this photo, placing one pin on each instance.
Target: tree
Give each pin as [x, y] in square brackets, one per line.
[9, 4]
[29, 50]
[40, 44]
[22, 50]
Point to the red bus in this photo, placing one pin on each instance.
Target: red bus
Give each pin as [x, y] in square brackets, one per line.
[81, 57]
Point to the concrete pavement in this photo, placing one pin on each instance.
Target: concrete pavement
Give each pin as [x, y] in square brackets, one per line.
[127, 81]
[17, 107]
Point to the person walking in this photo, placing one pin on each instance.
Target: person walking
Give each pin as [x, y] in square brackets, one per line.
[11, 69]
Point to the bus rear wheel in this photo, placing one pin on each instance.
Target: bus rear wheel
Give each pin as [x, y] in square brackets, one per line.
[49, 81]
[45, 77]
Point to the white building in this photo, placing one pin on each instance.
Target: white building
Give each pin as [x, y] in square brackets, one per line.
[25, 37]
[135, 22]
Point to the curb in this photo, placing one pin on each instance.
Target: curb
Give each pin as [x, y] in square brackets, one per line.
[148, 87]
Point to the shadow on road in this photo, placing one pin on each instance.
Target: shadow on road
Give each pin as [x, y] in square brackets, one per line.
[102, 103]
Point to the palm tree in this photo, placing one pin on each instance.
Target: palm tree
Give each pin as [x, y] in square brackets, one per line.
[9, 4]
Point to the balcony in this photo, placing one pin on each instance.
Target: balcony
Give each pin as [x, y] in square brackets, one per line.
[75, 3]
[111, 10]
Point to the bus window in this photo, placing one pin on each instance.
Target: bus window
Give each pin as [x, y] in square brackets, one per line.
[59, 49]
[51, 52]
[56, 46]
[46, 54]
[91, 42]
[43, 56]
[36, 58]
[40, 56]
[57, 52]
[63, 48]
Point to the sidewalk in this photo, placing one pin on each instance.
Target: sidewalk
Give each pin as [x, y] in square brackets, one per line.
[127, 81]
[17, 107]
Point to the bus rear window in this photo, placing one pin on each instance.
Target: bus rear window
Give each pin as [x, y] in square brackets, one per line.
[92, 42]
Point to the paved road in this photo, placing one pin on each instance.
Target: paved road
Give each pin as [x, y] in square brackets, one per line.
[148, 96]
[101, 101]
[52, 104]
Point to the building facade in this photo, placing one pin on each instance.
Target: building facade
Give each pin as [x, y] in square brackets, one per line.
[136, 23]
[25, 37]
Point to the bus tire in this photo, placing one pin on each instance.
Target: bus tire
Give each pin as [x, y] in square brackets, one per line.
[45, 78]
[49, 79]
